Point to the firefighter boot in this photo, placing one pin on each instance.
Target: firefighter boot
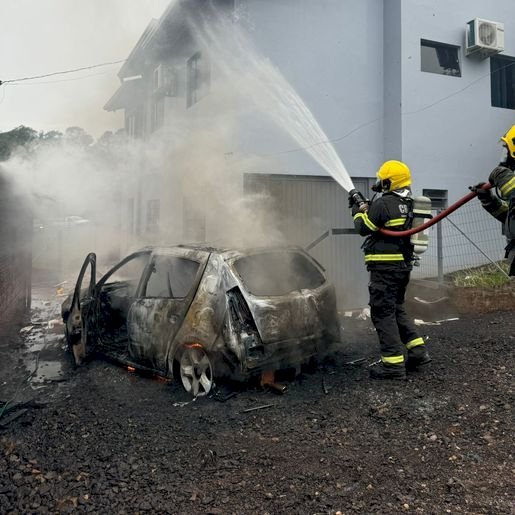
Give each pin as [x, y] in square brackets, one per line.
[387, 371]
[418, 357]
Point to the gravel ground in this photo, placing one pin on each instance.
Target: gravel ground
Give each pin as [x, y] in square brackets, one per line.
[104, 440]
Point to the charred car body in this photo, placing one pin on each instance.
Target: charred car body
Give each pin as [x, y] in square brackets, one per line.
[198, 313]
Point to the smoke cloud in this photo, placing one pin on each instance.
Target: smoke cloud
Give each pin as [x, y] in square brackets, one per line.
[181, 184]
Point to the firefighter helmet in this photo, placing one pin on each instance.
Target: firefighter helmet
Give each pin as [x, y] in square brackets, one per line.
[393, 175]
[509, 140]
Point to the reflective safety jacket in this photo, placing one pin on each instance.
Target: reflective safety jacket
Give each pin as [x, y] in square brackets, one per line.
[393, 211]
[504, 210]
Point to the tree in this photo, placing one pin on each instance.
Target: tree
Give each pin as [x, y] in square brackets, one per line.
[16, 138]
[78, 136]
[50, 136]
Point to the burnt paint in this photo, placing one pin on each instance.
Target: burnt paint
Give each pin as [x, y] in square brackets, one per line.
[290, 328]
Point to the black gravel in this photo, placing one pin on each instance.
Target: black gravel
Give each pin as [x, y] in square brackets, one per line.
[110, 441]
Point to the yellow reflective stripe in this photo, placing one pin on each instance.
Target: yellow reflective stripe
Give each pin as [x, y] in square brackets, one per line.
[384, 257]
[415, 343]
[395, 222]
[393, 360]
[506, 188]
[366, 221]
[502, 209]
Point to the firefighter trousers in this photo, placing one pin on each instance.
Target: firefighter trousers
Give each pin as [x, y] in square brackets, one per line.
[396, 331]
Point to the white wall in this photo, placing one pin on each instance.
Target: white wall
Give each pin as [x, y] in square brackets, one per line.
[454, 143]
[331, 52]
[348, 71]
[358, 61]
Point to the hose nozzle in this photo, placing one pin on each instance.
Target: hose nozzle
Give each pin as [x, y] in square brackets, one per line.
[356, 198]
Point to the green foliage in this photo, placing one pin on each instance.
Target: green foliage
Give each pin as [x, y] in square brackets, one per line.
[487, 276]
[78, 136]
[20, 137]
[29, 140]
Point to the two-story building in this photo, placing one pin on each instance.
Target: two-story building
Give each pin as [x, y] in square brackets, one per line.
[385, 79]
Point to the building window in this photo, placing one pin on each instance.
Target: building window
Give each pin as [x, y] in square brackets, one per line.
[158, 114]
[198, 79]
[502, 77]
[194, 222]
[438, 198]
[133, 125]
[439, 58]
[156, 82]
[153, 213]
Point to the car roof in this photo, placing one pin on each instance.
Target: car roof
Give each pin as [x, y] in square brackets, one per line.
[224, 252]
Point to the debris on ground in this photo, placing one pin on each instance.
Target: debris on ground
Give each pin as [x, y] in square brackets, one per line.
[256, 408]
[436, 322]
[111, 442]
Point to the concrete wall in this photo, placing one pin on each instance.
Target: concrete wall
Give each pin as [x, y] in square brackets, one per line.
[331, 53]
[454, 142]
[15, 256]
[356, 64]
[450, 131]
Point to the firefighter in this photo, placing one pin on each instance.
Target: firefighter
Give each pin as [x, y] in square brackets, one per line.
[502, 205]
[389, 261]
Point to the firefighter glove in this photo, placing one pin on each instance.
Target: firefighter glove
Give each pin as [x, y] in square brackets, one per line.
[482, 194]
[360, 208]
[363, 208]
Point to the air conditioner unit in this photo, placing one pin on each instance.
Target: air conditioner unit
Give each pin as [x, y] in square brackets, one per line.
[484, 38]
[164, 81]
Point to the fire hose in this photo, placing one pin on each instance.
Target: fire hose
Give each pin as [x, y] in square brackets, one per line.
[446, 212]
[355, 197]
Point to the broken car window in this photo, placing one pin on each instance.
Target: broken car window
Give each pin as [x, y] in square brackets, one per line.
[171, 278]
[278, 273]
[129, 273]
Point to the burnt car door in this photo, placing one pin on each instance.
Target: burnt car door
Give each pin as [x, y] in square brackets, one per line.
[79, 315]
[114, 295]
[165, 295]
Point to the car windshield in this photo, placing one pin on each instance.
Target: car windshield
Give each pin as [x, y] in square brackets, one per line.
[278, 273]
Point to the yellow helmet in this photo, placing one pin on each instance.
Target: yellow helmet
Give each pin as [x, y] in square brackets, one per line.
[393, 175]
[509, 140]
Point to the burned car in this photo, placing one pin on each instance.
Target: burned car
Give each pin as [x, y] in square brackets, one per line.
[199, 313]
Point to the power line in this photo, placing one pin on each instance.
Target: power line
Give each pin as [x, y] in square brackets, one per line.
[459, 91]
[14, 82]
[56, 81]
[74, 70]
[333, 140]
[370, 122]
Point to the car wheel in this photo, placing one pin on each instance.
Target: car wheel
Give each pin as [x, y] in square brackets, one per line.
[196, 370]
